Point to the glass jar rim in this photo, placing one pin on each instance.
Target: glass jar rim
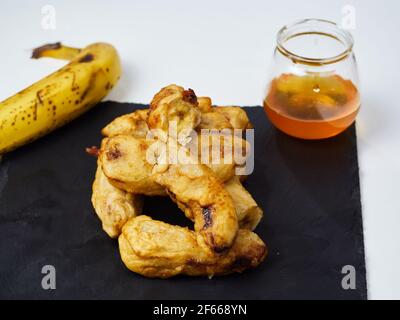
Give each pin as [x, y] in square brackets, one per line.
[317, 26]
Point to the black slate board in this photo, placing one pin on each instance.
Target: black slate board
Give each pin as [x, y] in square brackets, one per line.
[308, 190]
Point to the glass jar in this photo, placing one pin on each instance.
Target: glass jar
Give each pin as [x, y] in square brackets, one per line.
[313, 88]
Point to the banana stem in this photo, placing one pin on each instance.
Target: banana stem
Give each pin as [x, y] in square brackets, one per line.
[56, 51]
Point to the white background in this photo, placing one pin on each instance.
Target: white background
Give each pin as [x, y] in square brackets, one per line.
[222, 49]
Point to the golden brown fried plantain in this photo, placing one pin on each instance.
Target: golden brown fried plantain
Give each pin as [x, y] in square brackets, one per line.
[198, 191]
[134, 123]
[203, 198]
[218, 118]
[174, 104]
[214, 120]
[172, 101]
[159, 250]
[123, 160]
[236, 116]
[219, 152]
[121, 153]
[248, 212]
[205, 104]
[113, 206]
[132, 161]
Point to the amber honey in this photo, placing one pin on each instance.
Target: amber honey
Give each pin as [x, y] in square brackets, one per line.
[312, 106]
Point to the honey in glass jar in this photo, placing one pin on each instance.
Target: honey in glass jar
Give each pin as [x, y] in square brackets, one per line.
[313, 93]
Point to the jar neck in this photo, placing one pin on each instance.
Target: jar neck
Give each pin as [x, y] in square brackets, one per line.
[321, 29]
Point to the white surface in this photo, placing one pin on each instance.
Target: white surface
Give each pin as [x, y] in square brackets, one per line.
[222, 49]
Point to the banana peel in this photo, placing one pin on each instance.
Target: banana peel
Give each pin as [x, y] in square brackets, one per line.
[60, 97]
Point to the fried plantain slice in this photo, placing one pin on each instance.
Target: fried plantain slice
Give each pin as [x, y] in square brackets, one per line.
[123, 159]
[203, 198]
[113, 206]
[159, 250]
[174, 106]
[134, 123]
[248, 212]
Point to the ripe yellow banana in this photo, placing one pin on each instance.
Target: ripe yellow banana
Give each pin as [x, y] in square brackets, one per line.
[60, 97]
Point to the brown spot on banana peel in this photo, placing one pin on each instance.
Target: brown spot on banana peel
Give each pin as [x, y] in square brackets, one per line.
[90, 85]
[73, 80]
[34, 109]
[14, 120]
[86, 58]
[38, 96]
